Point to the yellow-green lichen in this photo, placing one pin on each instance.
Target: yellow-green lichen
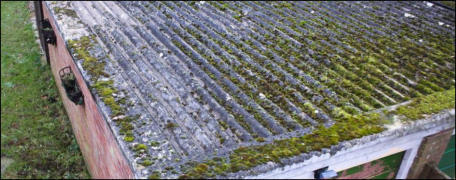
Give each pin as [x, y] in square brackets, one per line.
[139, 147]
[129, 138]
[146, 162]
[106, 91]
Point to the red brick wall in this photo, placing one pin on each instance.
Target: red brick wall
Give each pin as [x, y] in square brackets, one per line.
[101, 152]
[431, 150]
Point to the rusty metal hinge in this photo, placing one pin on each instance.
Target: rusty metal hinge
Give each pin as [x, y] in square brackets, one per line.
[71, 86]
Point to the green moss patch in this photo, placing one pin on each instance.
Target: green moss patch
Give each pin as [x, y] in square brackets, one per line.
[429, 104]
[140, 147]
[106, 90]
[146, 162]
[129, 138]
[93, 66]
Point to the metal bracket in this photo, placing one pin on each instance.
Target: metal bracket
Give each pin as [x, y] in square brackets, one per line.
[71, 86]
[48, 32]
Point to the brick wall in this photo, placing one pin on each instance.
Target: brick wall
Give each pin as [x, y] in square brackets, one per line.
[431, 150]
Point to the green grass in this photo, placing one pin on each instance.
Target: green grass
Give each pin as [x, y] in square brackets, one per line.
[36, 132]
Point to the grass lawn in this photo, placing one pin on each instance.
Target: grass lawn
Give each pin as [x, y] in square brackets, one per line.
[36, 132]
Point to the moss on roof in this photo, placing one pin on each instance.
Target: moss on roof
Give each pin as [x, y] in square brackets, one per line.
[426, 105]
[276, 78]
[347, 128]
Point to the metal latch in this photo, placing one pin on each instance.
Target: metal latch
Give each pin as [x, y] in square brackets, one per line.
[48, 32]
[71, 86]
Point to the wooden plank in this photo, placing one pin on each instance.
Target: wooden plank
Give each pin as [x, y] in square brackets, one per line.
[101, 152]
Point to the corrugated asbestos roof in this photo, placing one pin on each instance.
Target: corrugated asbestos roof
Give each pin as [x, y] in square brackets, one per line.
[199, 79]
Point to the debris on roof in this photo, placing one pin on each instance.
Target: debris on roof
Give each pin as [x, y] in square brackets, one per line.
[211, 89]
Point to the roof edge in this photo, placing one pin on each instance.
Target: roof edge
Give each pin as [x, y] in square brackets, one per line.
[432, 124]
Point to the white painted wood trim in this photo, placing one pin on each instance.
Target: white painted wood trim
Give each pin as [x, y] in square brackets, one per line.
[407, 161]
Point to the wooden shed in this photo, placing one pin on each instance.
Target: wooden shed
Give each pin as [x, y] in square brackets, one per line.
[256, 89]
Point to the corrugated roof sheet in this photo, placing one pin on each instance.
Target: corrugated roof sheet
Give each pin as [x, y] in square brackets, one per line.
[200, 79]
